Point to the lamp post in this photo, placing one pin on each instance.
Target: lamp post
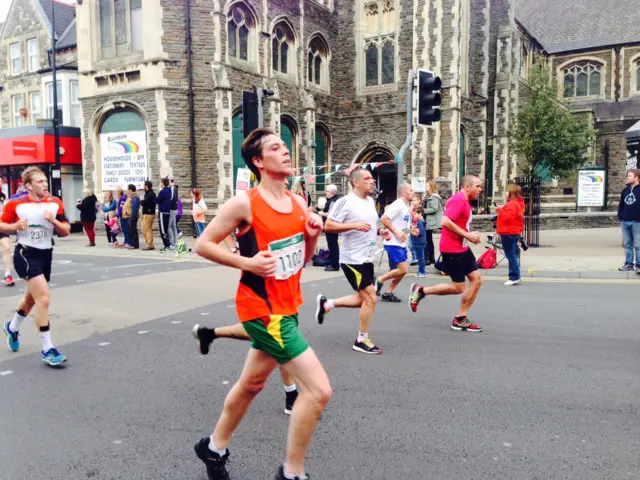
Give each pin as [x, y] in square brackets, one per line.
[56, 180]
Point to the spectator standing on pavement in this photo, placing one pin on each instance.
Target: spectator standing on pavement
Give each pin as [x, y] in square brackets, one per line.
[415, 201]
[629, 216]
[433, 210]
[148, 214]
[132, 210]
[114, 227]
[510, 227]
[124, 226]
[198, 210]
[332, 238]
[178, 217]
[419, 241]
[173, 217]
[108, 205]
[163, 200]
[88, 207]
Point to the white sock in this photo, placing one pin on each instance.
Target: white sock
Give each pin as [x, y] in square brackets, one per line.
[293, 477]
[14, 326]
[328, 305]
[362, 336]
[213, 448]
[290, 388]
[7, 273]
[46, 341]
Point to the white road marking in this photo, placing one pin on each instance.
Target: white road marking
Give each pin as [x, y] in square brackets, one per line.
[226, 382]
[105, 277]
[506, 444]
[330, 281]
[53, 284]
[118, 442]
[79, 281]
[205, 313]
[63, 262]
[175, 322]
[313, 285]
[104, 344]
[230, 306]
[142, 332]
[127, 274]
[6, 372]
[141, 265]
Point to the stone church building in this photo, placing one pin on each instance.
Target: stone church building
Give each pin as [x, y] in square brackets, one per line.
[338, 70]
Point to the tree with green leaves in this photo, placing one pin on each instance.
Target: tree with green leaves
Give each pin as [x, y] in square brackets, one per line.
[546, 135]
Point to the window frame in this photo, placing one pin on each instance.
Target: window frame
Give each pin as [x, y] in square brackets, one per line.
[74, 104]
[16, 111]
[575, 68]
[127, 48]
[14, 58]
[251, 22]
[49, 101]
[33, 55]
[325, 60]
[289, 37]
[33, 111]
[381, 38]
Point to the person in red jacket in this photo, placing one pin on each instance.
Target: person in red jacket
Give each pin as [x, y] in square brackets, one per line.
[510, 227]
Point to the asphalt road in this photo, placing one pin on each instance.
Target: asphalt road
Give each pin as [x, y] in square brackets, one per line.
[548, 391]
[69, 269]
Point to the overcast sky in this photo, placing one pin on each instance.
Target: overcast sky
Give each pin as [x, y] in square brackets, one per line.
[5, 4]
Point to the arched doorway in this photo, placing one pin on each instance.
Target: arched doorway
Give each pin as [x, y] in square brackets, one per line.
[385, 175]
[322, 156]
[237, 137]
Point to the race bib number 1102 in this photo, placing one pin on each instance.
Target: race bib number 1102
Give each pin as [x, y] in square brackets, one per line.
[289, 253]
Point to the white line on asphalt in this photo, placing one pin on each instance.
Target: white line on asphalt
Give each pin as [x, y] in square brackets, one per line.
[104, 344]
[142, 332]
[330, 281]
[136, 265]
[53, 284]
[80, 281]
[506, 444]
[6, 372]
[230, 306]
[204, 313]
[226, 382]
[117, 442]
[312, 285]
[127, 274]
[175, 322]
[105, 275]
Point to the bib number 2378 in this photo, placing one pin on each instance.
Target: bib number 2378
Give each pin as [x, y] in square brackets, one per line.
[289, 253]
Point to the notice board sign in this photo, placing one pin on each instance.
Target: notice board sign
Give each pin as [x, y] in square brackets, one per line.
[591, 187]
[124, 159]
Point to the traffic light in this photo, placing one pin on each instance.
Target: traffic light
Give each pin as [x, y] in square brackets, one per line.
[253, 109]
[428, 97]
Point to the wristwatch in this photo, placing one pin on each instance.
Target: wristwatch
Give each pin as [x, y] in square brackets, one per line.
[234, 250]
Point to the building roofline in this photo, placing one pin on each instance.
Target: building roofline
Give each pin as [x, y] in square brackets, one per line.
[64, 34]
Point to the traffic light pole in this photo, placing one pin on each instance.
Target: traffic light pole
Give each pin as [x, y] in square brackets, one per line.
[400, 155]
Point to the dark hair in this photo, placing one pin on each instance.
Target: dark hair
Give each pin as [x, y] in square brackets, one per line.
[131, 187]
[148, 184]
[418, 210]
[165, 182]
[252, 148]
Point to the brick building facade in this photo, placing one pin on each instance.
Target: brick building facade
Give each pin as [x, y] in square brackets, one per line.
[338, 70]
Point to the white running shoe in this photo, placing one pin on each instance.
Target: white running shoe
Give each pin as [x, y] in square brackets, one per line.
[511, 283]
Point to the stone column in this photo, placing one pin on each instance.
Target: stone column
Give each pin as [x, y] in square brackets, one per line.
[223, 116]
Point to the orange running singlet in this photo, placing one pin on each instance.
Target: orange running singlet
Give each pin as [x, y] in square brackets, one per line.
[283, 235]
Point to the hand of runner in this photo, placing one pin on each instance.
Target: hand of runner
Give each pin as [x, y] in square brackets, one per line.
[48, 216]
[402, 237]
[314, 223]
[262, 264]
[473, 237]
[21, 225]
[385, 234]
[362, 226]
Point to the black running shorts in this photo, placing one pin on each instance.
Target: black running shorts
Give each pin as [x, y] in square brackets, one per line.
[459, 265]
[359, 276]
[31, 262]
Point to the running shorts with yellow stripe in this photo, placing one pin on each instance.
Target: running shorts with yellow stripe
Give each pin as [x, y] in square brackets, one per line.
[359, 276]
[277, 335]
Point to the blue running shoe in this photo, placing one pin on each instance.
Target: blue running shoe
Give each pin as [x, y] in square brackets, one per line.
[12, 338]
[53, 358]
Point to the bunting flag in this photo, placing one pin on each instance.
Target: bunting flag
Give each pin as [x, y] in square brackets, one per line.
[306, 170]
[297, 179]
[338, 167]
[312, 178]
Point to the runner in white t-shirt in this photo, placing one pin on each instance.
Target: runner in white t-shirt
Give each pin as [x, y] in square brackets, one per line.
[355, 216]
[396, 219]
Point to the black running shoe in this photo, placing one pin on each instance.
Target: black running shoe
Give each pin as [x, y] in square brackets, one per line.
[205, 336]
[366, 346]
[289, 401]
[320, 310]
[216, 469]
[379, 286]
[280, 475]
[390, 297]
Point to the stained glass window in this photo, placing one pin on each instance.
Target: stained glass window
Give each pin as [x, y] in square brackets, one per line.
[239, 25]
[372, 65]
[379, 39]
[388, 63]
[282, 40]
[317, 58]
[582, 80]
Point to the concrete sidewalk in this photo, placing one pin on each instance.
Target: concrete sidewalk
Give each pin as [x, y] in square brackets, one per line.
[582, 253]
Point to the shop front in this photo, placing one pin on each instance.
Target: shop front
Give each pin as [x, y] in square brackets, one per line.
[23, 147]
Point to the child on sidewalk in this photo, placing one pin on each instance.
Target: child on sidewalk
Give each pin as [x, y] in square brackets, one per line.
[112, 223]
[420, 241]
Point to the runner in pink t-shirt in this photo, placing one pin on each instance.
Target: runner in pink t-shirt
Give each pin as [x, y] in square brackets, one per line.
[457, 257]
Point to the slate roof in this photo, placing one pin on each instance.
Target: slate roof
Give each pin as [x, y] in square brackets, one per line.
[567, 25]
[65, 14]
[68, 38]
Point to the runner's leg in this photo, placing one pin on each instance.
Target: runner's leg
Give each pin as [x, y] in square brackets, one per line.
[315, 394]
[470, 293]
[401, 270]
[257, 369]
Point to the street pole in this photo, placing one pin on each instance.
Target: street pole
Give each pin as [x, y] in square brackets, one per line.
[399, 159]
[56, 180]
